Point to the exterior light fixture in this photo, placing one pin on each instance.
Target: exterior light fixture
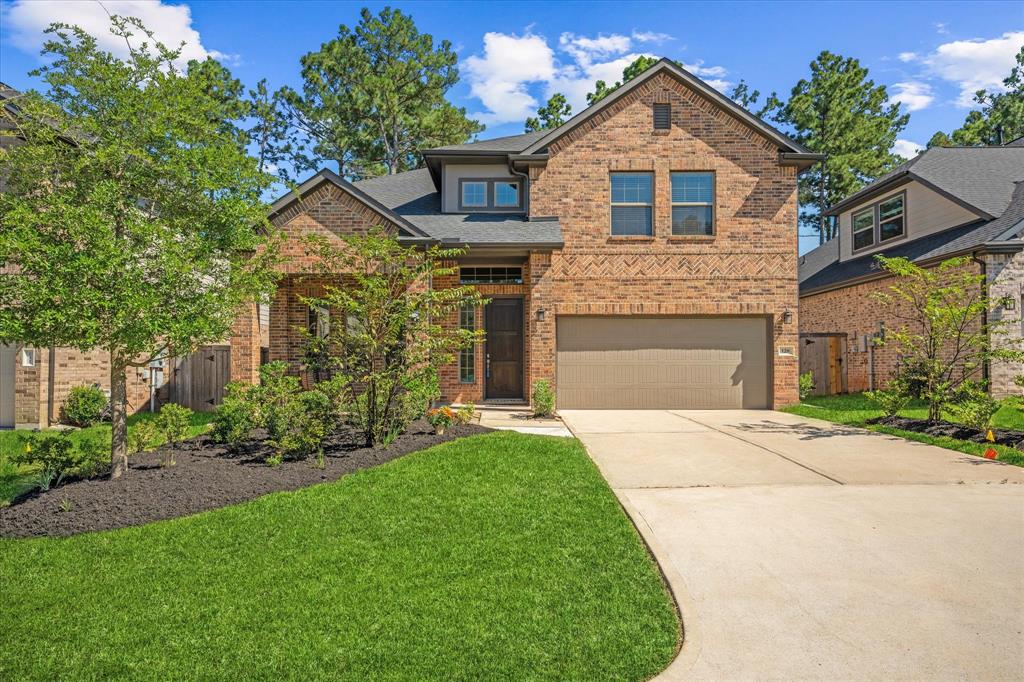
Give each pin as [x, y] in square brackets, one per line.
[540, 314]
[787, 316]
[1009, 303]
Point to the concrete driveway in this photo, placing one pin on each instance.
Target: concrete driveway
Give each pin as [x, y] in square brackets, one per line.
[801, 549]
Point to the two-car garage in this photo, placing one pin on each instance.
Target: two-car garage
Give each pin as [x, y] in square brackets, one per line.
[663, 362]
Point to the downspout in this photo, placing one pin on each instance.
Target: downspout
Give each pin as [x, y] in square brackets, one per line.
[526, 185]
[50, 381]
[986, 369]
[527, 388]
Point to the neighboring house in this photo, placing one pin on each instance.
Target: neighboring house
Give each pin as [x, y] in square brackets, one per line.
[642, 255]
[34, 382]
[955, 201]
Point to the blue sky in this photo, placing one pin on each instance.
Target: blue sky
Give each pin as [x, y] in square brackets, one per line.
[931, 55]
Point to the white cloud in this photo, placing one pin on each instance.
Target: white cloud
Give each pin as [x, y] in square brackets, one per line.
[500, 77]
[171, 24]
[908, 56]
[914, 95]
[940, 28]
[651, 37]
[975, 64]
[515, 71]
[906, 148]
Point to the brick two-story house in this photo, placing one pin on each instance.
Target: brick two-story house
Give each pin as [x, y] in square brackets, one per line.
[945, 202]
[642, 255]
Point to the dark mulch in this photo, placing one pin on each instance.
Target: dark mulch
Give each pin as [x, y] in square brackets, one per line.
[957, 431]
[206, 476]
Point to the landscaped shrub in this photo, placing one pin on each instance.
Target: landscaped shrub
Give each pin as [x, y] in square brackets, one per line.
[173, 423]
[85, 406]
[421, 391]
[893, 398]
[973, 406]
[806, 385]
[142, 436]
[301, 425]
[237, 415]
[465, 414]
[59, 456]
[543, 399]
[441, 418]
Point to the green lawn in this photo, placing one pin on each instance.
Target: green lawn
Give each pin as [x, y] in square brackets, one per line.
[500, 556]
[14, 480]
[855, 409]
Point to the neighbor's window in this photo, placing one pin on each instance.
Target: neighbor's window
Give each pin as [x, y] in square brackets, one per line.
[506, 194]
[864, 229]
[890, 218]
[467, 356]
[631, 204]
[693, 203]
[662, 116]
[474, 194]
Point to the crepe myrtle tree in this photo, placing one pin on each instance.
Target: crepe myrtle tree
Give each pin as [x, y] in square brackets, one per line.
[389, 342]
[945, 335]
[132, 217]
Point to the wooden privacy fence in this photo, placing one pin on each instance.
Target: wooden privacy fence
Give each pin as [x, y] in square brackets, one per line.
[825, 356]
[197, 381]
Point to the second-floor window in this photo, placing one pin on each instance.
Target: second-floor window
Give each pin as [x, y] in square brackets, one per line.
[490, 195]
[631, 199]
[693, 204]
[880, 222]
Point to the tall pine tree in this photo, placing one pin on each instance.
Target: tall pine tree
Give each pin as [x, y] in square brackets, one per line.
[841, 113]
[556, 112]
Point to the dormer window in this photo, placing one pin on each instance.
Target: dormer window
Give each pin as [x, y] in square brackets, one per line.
[474, 194]
[490, 194]
[879, 223]
[864, 229]
[890, 218]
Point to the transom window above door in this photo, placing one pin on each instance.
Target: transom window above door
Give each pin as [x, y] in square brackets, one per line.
[693, 203]
[631, 203]
[490, 195]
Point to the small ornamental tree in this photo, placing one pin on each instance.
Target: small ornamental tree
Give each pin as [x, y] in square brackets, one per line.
[131, 220]
[388, 342]
[945, 336]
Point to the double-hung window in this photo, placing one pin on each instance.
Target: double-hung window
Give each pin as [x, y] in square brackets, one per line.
[631, 200]
[890, 218]
[879, 223]
[863, 229]
[693, 204]
[467, 356]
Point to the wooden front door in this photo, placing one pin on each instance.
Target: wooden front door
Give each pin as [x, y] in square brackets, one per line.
[504, 361]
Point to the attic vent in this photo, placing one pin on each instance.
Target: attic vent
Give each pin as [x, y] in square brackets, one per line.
[662, 116]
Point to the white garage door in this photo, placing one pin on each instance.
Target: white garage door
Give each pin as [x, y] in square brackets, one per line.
[662, 362]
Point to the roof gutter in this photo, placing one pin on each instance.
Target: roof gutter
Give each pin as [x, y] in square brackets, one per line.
[802, 160]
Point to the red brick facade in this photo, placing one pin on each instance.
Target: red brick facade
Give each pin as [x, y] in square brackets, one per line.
[749, 267]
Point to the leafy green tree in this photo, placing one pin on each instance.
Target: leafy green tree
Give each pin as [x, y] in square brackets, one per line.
[637, 67]
[374, 97]
[132, 217]
[841, 113]
[944, 337]
[747, 98]
[390, 341]
[556, 112]
[1000, 119]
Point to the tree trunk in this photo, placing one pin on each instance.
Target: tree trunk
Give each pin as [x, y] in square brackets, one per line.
[118, 417]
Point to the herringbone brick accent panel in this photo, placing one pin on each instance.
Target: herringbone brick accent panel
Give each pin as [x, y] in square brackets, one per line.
[672, 266]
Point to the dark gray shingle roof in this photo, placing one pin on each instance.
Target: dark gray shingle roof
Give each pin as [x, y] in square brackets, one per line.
[413, 196]
[980, 177]
[510, 144]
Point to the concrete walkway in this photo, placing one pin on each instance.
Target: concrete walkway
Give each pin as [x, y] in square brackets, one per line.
[801, 549]
[520, 418]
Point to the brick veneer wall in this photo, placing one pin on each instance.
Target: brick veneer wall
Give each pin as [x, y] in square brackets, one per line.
[854, 311]
[749, 267]
[1006, 280]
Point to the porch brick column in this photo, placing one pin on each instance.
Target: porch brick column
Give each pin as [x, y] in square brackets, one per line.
[245, 346]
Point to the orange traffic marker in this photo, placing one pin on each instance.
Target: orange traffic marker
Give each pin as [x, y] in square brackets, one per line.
[991, 454]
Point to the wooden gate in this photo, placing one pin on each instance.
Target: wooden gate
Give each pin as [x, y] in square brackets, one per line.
[197, 381]
[825, 356]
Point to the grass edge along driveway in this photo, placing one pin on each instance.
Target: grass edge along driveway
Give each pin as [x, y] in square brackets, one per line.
[854, 409]
[497, 556]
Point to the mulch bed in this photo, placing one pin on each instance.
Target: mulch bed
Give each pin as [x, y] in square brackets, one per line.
[206, 476]
[1013, 439]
